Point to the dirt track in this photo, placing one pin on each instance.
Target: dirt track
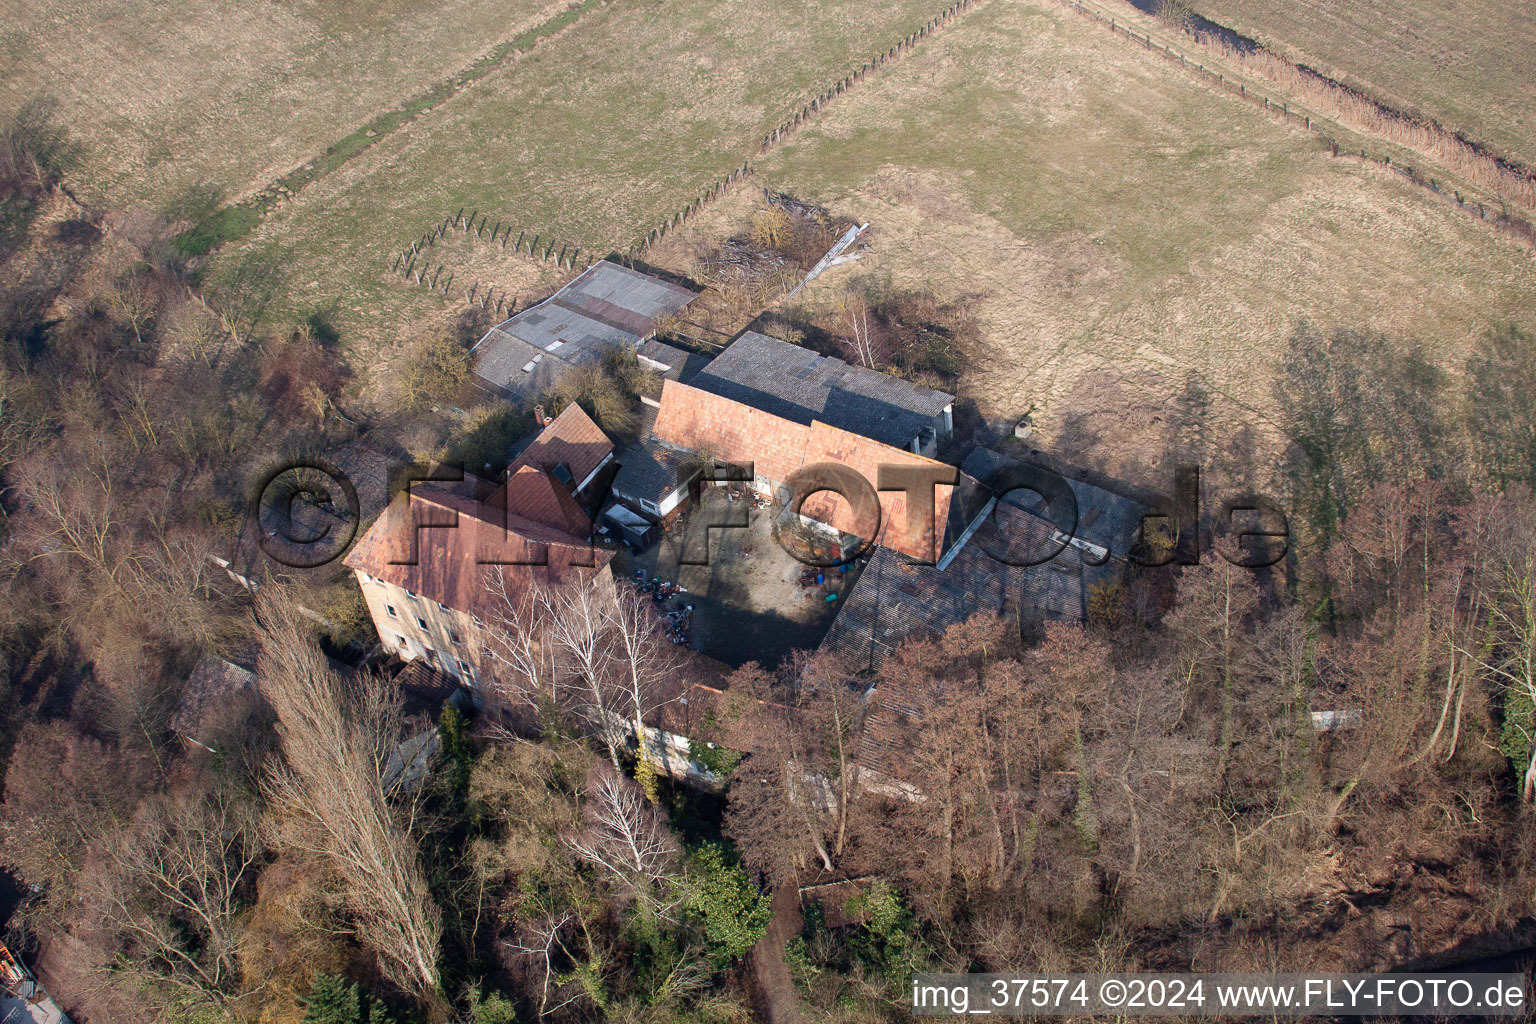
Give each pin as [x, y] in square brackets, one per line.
[772, 987]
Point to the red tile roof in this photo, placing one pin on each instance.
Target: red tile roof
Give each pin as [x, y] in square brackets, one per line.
[730, 430]
[536, 495]
[447, 545]
[571, 439]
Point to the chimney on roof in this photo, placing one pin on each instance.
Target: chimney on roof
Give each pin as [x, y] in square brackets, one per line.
[538, 416]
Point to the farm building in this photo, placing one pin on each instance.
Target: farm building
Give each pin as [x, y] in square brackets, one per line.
[215, 699]
[571, 448]
[897, 599]
[796, 384]
[607, 307]
[780, 407]
[655, 476]
[427, 565]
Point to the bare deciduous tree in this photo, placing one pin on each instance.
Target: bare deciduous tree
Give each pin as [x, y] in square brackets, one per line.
[332, 795]
[627, 838]
[523, 672]
[543, 942]
[642, 661]
[173, 890]
[574, 619]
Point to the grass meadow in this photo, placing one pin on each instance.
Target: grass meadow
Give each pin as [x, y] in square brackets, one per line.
[225, 96]
[1126, 234]
[1465, 63]
[591, 138]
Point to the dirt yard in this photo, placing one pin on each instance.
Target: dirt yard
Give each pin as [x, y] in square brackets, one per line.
[749, 604]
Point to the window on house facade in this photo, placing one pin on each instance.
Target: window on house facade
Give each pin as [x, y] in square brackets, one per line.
[421, 622]
[456, 638]
[391, 609]
[464, 668]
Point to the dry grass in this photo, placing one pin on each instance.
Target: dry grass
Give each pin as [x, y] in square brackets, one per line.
[1344, 109]
[1131, 238]
[593, 137]
[169, 95]
[1465, 63]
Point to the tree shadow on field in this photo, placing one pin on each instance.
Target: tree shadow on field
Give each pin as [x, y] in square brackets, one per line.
[1137, 427]
[1358, 409]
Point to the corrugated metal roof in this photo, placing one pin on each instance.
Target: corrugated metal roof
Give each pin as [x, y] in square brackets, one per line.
[796, 384]
[606, 306]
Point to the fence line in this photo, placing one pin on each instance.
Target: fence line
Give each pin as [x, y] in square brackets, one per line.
[408, 264]
[845, 84]
[718, 188]
[1502, 219]
[803, 116]
[406, 261]
[1506, 178]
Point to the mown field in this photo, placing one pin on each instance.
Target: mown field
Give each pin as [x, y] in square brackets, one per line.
[164, 95]
[1466, 63]
[592, 138]
[1128, 236]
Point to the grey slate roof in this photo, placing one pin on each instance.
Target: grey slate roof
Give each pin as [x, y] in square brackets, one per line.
[799, 385]
[605, 307]
[896, 599]
[648, 469]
